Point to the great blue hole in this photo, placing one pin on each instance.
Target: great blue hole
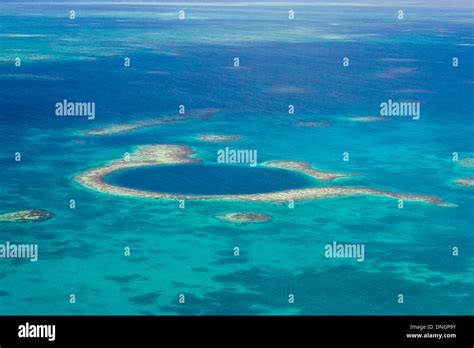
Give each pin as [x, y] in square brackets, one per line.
[203, 179]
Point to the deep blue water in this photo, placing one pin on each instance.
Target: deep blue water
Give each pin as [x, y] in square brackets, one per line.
[209, 179]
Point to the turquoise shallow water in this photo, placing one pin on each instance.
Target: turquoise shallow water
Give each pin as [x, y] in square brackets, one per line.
[188, 251]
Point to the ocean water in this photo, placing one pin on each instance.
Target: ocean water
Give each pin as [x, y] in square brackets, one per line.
[210, 179]
[283, 62]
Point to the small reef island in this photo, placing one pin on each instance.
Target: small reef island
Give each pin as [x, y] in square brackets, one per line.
[312, 124]
[369, 119]
[35, 215]
[152, 155]
[212, 138]
[131, 126]
[244, 218]
[467, 162]
[469, 182]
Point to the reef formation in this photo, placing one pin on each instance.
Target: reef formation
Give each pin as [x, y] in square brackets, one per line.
[34, 215]
[131, 126]
[313, 124]
[465, 182]
[369, 119]
[176, 154]
[244, 218]
[212, 138]
[305, 167]
[467, 162]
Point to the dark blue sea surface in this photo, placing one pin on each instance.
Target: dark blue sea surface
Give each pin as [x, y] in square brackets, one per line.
[209, 179]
